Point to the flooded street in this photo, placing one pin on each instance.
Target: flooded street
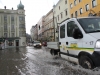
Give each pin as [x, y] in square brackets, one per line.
[32, 61]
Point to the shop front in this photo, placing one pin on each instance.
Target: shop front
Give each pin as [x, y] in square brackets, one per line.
[9, 42]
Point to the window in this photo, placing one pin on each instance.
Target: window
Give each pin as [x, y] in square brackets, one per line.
[76, 13]
[66, 12]
[5, 34]
[12, 27]
[21, 26]
[39, 27]
[62, 31]
[12, 35]
[5, 18]
[72, 15]
[70, 26]
[61, 15]
[59, 7]
[65, 1]
[11, 43]
[71, 5]
[58, 17]
[21, 18]
[5, 26]
[75, 2]
[87, 7]
[93, 3]
[81, 11]
[12, 18]
[90, 25]
[80, 1]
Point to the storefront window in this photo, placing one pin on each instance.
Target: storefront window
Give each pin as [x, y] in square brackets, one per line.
[11, 43]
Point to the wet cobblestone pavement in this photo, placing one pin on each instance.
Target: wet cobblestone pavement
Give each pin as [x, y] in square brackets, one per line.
[32, 61]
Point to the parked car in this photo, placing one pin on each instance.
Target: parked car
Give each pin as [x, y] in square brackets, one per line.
[37, 44]
[44, 43]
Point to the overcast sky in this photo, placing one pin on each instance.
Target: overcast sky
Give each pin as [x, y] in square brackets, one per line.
[34, 9]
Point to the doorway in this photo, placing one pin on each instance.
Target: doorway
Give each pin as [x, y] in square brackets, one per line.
[17, 42]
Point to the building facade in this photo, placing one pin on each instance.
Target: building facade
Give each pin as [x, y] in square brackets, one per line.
[84, 8]
[61, 12]
[12, 26]
[34, 32]
[48, 26]
[40, 28]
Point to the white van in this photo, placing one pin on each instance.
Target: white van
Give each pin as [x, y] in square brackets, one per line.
[79, 41]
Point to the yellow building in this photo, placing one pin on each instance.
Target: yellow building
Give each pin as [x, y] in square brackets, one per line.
[84, 8]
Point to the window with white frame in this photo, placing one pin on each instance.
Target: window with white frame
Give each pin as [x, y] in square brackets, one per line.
[12, 18]
[12, 35]
[65, 1]
[72, 15]
[71, 5]
[5, 34]
[58, 17]
[66, 12]
[5, 26]
[81, 11]
[61, 15]
[80, 1]
[12, 27]
[87, 7]
[5, 17]
[75, 2]
[59, 7]
[94, 3]
[76, 13]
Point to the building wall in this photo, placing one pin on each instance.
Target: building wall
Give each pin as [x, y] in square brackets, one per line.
[82, 5]
[35, 35]
[32, 32]
[61, 8]
[49, 26]
[13, 28]
[39, 27]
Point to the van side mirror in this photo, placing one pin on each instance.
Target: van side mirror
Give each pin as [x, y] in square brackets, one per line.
[77, 34]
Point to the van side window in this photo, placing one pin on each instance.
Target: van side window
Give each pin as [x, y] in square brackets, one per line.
[70, 26]
[62, 31]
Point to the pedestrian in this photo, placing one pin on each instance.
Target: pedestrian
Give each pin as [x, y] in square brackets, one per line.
[2, 45]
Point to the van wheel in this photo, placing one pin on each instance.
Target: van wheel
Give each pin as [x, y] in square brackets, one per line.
[53, 52]
[86, 62]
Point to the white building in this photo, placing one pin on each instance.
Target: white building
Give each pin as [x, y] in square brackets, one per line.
[40, 28]
[34, 32]
[12, 26]
[61, 12]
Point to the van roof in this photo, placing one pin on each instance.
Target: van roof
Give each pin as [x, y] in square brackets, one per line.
[88, 17]
[78, 18]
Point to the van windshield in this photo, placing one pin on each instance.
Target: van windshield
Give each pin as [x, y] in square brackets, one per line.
[90, 25]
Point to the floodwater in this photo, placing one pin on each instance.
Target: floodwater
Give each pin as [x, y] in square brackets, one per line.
[32, 61]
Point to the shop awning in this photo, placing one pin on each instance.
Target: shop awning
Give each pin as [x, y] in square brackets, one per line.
[10, 38]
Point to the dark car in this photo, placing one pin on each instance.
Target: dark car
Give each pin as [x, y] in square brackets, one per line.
[37, 44]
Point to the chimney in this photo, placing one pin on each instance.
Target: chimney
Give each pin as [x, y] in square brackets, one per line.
[5, 7]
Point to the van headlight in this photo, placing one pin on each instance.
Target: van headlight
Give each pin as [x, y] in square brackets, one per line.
[34, 44]
[97, 45]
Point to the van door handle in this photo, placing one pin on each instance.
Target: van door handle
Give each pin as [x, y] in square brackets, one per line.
[66, 43]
